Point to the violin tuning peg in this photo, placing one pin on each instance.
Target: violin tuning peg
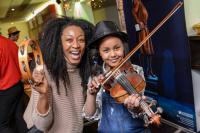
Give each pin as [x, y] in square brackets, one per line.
[159, 110]
[139, 115]
[146, 121]
[152, 103]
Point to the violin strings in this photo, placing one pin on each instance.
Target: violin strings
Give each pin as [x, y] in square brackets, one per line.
[126, 84]
[123, 81]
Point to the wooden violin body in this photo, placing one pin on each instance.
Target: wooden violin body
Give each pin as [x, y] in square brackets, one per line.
[117, 90]
[119, 93]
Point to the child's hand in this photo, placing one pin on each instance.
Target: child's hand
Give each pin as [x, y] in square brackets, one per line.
[40, 81]
[94, 84]
[133, 101]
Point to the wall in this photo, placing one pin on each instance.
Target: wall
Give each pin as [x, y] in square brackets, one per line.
[196, 89]
[108, 13]
[99, 14]
[84, 11]
[192, 14]
[21, 26]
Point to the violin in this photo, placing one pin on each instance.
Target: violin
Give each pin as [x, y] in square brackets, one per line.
[122, 81]
[127, 81]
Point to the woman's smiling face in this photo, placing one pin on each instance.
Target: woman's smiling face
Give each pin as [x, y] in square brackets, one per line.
[73, 42]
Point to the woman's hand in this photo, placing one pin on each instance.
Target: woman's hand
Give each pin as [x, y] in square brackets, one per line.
[40, 82]
[133, 101]
[94, 84]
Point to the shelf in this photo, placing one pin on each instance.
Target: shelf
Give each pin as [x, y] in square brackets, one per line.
[196, 67]
[195, 37]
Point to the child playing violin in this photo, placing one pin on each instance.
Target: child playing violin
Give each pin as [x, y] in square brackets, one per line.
[111, 46]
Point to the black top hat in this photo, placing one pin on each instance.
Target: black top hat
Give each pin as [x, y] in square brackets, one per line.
[104, 29]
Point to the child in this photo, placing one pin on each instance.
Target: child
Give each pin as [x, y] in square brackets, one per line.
[111, 45]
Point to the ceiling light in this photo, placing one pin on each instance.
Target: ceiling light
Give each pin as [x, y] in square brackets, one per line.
[13, 9]
[97, 3]
[67, 6]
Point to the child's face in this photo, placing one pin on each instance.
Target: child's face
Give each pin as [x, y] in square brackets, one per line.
[73, 41]
[111, 51]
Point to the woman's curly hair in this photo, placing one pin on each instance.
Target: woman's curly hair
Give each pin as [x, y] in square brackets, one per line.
[52, 50]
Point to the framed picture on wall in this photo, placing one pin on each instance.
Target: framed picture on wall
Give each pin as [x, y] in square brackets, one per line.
[120, 10]
[30, 24]
[34, 21]
[39, 19]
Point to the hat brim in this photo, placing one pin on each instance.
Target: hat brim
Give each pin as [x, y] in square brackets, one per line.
[16, 32]
[95, 41]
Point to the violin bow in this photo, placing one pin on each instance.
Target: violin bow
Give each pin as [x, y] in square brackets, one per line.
[109, 74]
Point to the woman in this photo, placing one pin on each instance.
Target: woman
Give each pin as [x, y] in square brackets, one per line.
[111, 45]
[58, 92]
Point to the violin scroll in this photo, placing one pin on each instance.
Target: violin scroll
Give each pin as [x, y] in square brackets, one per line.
[151, 117]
